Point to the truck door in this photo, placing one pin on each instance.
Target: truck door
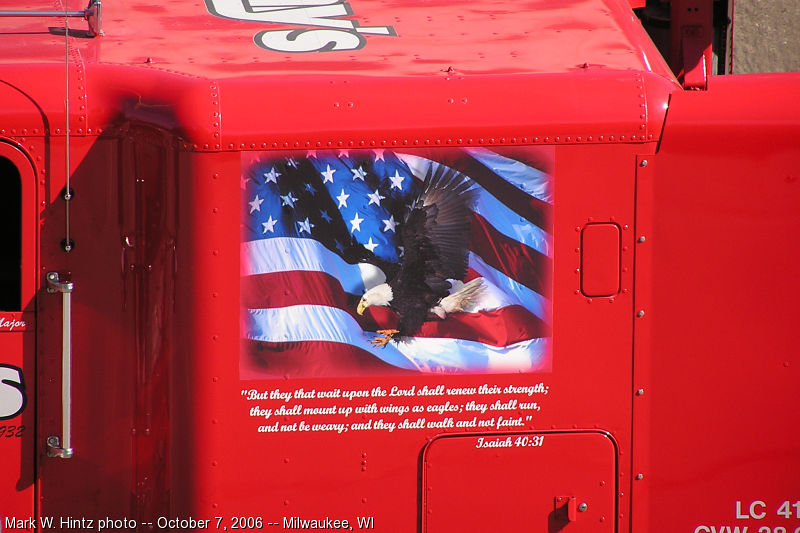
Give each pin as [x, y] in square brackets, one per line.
[17, 331]
[114, 319]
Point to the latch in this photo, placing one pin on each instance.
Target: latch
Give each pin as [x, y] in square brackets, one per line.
[566, 508]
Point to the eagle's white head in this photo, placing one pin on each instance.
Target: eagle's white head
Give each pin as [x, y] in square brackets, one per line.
[377, 295]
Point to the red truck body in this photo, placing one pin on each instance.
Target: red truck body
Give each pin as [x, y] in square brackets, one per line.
[637, 371]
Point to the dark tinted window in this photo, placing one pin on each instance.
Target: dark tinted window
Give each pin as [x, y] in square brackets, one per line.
[10, 237]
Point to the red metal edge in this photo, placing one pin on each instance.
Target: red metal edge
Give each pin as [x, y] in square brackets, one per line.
[642, 317]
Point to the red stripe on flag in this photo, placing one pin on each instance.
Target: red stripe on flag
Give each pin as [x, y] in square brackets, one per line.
[499, 327]
[513, 258]
[294, 287]
[309, 359]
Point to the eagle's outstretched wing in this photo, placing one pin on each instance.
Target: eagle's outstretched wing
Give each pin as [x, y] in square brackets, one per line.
[435, 240]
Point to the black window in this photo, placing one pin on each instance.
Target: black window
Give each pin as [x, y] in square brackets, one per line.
[10, 237]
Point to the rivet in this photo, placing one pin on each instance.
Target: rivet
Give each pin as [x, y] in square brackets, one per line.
[643, 163]
[582, 507]
[639, 392]
[640, 314]
[642, 239]
[639, 476]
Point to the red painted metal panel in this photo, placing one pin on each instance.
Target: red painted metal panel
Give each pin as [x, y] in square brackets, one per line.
[508, 482]
[600, 259]
[595, 106]
[719, 361]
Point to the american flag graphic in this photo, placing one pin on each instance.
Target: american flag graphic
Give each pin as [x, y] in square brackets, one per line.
[319, 228]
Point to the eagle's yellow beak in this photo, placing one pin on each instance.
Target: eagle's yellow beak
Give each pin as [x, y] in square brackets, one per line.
[361, 307]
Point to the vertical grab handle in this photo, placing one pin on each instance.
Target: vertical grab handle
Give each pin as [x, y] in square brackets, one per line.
[62, 447]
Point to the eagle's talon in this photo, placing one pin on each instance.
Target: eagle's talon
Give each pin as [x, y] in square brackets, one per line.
[386, 336]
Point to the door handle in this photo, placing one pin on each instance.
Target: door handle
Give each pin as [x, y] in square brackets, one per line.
[61, 447]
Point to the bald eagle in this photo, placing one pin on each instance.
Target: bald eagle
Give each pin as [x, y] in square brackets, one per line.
[435, 240]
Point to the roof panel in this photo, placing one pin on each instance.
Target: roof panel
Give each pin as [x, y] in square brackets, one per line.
[369, 37]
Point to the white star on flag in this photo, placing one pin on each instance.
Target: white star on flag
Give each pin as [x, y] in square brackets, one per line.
[391, 224]
[289, 200]
[371, 245]
[343, 199]
[269, 225]
[397, 180]
[375, 198]
[255, 205]
[305, 225]
[328, 175]
[272, 176]
[356, 223]
[358, 174]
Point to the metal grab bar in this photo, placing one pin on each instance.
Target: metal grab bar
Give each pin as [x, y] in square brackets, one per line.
[92, 14]
[62, 447]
